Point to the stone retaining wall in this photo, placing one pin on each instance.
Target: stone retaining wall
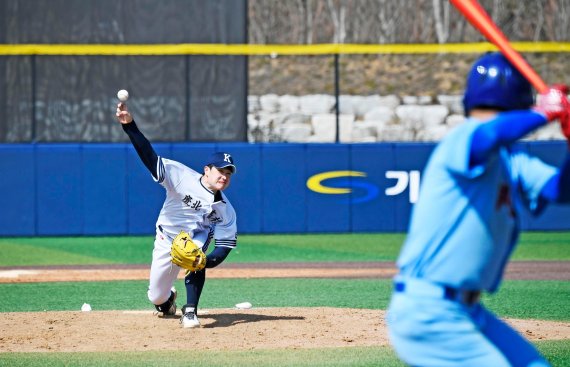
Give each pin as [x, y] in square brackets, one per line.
[375, 118]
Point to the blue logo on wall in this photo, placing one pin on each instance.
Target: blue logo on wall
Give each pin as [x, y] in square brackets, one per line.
[347, 183]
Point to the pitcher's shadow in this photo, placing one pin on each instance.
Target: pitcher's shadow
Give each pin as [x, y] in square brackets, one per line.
[230, 319]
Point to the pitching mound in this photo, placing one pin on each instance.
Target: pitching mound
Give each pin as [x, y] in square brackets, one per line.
[221, 329]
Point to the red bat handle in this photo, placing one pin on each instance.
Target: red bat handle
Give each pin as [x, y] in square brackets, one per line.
[479, 18]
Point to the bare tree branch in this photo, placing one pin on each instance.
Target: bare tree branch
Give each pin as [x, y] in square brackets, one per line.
[407, 21]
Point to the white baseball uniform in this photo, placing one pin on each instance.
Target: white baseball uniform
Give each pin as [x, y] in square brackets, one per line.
[191, 207]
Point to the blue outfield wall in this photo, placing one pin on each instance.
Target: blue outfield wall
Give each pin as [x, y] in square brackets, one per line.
[104, 189]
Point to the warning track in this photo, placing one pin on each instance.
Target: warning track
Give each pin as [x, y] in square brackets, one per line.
[519, 270]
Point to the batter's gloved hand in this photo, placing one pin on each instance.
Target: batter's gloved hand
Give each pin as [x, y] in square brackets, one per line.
[554, 103]
[555, 106]
[186, 253]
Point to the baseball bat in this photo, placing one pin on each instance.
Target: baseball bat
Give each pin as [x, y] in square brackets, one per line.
[479, 18]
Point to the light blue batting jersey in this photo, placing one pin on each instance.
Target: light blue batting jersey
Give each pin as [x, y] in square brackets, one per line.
[464, 225]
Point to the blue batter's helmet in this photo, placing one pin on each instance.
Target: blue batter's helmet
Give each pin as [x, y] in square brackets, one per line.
[494, 83]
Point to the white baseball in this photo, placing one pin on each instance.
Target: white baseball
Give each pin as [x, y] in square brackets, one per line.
[123, 95]
[243, 305]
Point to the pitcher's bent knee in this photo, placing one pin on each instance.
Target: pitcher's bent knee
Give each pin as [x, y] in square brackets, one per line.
[157, 297]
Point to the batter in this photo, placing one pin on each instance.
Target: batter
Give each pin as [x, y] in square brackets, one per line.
[466, 224]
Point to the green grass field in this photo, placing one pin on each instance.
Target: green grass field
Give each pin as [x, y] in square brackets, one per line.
[251, 248]
[547, 300]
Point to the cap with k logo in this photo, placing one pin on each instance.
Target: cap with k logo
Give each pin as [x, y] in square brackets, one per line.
[222, 160]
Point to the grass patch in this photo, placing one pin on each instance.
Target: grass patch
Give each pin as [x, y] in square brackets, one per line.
[251, 248]
[218, 293]
[319, 247]
[546, 300]
[14, 254]
[321, 357]
[75, 250]
[543, 246]
[557, 352]
[530, 299]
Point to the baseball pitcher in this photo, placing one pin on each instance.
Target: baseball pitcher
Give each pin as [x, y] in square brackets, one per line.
[195, 211]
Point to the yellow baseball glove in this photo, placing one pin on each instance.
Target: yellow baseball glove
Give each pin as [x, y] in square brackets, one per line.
[186, 254]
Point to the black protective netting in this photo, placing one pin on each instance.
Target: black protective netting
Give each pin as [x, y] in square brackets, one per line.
[73, 98]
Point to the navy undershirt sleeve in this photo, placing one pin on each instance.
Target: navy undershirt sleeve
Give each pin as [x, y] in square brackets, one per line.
[217, 256]
[505, 129]
[142, 146]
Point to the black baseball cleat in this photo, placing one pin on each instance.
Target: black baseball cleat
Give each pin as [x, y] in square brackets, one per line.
[168, 308]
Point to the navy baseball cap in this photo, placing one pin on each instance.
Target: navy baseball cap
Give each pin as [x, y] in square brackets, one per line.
[222, 160]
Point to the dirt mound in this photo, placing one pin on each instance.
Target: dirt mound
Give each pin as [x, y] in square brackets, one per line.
[226, 329]
[221, 329]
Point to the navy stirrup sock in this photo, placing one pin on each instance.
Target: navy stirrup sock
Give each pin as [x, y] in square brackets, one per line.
[194, 283]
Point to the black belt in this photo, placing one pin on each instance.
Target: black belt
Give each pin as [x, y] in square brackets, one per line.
[466, 297]
[424, 288]
[164, 233]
